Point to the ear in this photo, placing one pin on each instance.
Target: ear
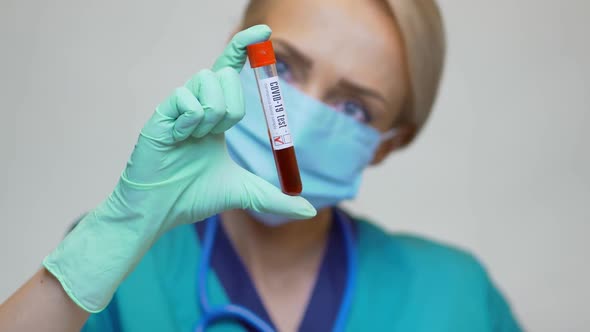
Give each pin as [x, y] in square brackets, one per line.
[404, 134]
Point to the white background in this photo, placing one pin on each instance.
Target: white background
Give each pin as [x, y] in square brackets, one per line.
[503, 168]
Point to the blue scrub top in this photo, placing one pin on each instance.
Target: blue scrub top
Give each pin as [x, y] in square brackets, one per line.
[404, 284]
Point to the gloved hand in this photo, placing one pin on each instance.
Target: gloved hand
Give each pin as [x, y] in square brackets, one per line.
[179, 172]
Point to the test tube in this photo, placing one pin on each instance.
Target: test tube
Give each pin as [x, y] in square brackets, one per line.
[263, 62]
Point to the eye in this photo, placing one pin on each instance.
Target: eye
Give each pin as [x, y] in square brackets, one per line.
[354, 109]
[284, 70]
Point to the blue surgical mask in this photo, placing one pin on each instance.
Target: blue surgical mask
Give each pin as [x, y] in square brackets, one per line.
[332, 148]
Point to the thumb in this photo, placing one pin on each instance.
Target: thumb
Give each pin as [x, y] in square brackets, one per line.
[263, 197]
[234, 55]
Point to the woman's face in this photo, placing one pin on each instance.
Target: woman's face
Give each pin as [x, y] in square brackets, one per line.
[346, 53]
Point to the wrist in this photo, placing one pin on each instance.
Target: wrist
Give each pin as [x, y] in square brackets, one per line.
[103, 248]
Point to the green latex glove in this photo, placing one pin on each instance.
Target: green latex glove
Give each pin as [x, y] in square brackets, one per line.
[179, 172]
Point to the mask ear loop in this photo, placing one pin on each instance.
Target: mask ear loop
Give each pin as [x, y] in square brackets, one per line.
[388, 134]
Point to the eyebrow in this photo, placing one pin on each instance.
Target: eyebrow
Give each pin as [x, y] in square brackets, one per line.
[305, 60]
[361, 90]
[346, 84]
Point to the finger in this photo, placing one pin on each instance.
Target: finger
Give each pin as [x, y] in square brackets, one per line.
[231, 85]
[265, 198]
[207, 88]
[191, 114]
[162, 125]
[234, 55]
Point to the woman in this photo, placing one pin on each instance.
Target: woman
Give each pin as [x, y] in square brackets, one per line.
[359, 78]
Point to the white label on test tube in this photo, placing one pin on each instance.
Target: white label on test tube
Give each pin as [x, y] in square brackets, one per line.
[274, 111]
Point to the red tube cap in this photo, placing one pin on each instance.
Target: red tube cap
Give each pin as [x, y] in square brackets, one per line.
[261, 54]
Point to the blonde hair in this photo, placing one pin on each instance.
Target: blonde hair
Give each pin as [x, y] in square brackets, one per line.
[421, 28]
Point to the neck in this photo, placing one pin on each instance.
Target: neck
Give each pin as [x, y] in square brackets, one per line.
[287, 247]
[282, 261]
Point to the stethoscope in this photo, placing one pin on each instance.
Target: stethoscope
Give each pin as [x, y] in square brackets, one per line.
[211, 314]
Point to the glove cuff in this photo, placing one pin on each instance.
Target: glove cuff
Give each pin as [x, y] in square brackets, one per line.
[101, 250]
